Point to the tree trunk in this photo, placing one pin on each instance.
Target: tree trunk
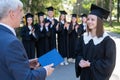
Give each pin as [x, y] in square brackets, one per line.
[79, 7]
[118, 10]
[110, 8]
[97, 2]
[102, 3]
[29, 5]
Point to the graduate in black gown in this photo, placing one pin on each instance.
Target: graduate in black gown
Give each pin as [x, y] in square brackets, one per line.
[52, 26]
[28, 36]
[62, 37]
[96, 49]
[66, 30]
[42, 34]
[83, 25]
[72, 37]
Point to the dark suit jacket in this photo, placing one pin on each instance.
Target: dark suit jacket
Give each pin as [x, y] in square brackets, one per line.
[14, 63]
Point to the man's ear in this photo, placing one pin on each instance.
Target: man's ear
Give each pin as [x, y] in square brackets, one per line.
[11, 14]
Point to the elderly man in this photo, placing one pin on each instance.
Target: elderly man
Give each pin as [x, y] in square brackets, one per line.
[14, 64]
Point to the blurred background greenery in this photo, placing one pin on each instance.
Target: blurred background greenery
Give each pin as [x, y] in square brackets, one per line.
[75, 6]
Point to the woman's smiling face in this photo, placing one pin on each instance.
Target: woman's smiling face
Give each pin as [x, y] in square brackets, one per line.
[92, 21]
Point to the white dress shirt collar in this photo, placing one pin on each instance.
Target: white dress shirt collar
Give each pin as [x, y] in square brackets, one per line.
[62, 21]
[30, 27]
[10, 28]
[50, 18]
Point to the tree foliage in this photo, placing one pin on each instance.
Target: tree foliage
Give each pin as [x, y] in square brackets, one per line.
[79, 6]
[40, 5]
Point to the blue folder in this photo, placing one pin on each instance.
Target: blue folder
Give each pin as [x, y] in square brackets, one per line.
[50, 57]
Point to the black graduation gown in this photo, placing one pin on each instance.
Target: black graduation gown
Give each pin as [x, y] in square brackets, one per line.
[42, 44]
[72, 41]
[61, 40]
[52, 33]
[101, 56]
[47, 42]
[28, 41]
[82, 29]
[66, 42]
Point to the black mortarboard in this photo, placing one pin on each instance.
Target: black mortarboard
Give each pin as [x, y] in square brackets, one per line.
[100, 12]
[28, 15]
[63, 12]
[83, 15]
[40, 13]
[74, 15]
[50, 8]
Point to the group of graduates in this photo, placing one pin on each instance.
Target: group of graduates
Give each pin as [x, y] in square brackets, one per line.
[50, 33]
[86, 44]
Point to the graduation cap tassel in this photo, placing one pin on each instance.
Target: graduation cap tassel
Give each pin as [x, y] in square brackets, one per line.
[24, 20]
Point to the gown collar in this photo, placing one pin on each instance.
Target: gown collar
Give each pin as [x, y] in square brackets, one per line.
[95, 39]
[48, 18]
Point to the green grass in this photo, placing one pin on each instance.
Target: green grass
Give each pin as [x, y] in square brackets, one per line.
[115, 28]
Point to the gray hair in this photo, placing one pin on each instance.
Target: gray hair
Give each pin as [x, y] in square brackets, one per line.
[7, 5]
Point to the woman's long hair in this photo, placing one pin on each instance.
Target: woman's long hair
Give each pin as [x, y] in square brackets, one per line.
[99, 28]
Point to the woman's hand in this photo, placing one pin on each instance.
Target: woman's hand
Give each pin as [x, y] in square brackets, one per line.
[84, 63]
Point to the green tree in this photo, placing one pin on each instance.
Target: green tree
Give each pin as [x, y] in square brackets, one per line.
[118, 10]
[35, 6]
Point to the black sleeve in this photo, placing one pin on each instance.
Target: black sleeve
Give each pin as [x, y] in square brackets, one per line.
[104, 67]
[78, 52]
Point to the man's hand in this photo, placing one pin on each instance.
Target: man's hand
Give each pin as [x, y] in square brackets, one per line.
[49, 69]
[34, 63]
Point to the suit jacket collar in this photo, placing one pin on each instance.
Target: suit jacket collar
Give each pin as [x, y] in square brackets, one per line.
[2, 27]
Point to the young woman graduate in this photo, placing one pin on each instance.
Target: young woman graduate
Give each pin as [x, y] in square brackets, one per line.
[96, 50]
[83, 24]
[73, 35]
[61, 31]
[42, 33]
[28, 36]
